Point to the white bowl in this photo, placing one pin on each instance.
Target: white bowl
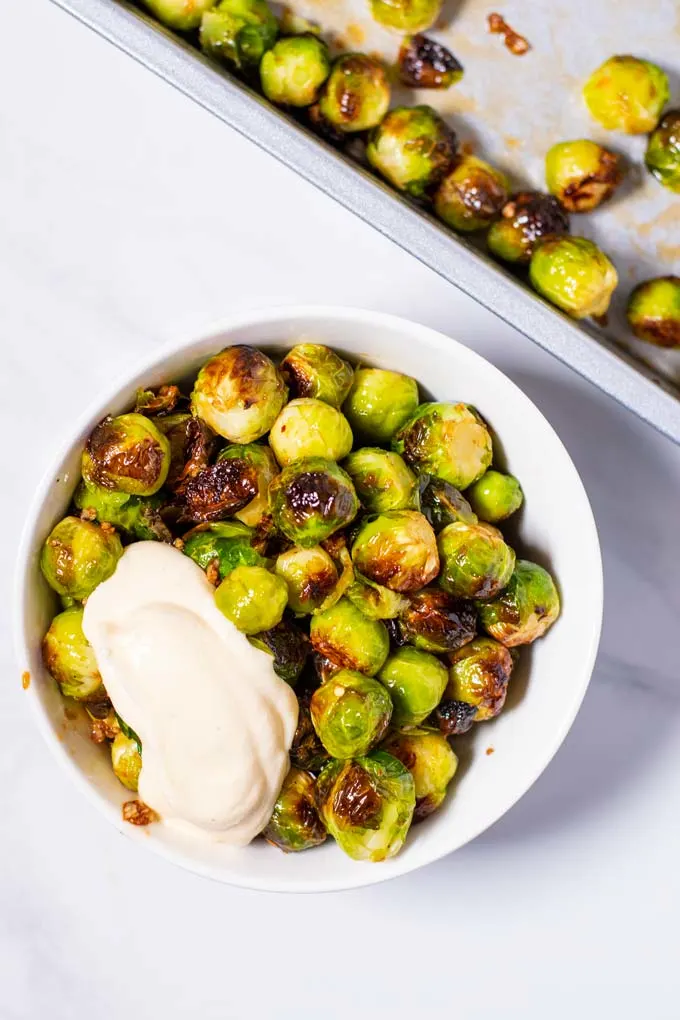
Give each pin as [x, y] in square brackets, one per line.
[555, 527]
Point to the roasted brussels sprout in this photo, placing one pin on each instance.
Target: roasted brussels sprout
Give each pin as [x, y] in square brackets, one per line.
[447, 440]
[224, 543]
[289, 648]
[429, 758]
[307, 752]
[219, 490]
[406, 15]
[443, 504]
[471, 196]
[263, 462]
[397, 549]
[239, 394]
[137, 516]
[582, 174]
[412, 148]
[180, 14]
[575, 275]
[526, 220]
[252, 598]
[379, 402]
[374, 600]
[161, 400]
[479, 676]
[367, 805]
[128, 453]
[356, 95]
[348, 638]
[311, 577]
[69, 658]
[295, 824]
[126, 759]
[662, 157]
[416, 681]
[293, 71]
[191, 446]
[435, 621]
[313, 370]
[654, 311]
[627, 94]
[525, 609]
[311, 499]
[310, 428]
[239, 32]
[426, 64]
[350, 713]
[453, 717]
[495, 496]
[382, 480]
[78, 555]
[476, 561]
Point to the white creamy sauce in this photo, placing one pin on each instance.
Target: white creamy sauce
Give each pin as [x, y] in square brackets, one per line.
[215, 721]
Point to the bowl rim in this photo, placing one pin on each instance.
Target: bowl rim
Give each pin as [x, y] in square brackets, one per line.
[434, 339]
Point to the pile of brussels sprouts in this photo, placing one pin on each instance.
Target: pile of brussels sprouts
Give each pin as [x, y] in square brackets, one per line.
[334, 528]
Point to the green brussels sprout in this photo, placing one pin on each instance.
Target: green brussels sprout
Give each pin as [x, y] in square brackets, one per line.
[476, 561]
[443, 504]
[435, 621]
[526, 220]
[356, 95]
[264, 463]
[136, 516]
[479, 676]
[180, 14]
[310, 428]
[252, 599]
[416, 681]
[311, 577]
[397, 549]
[348, 638]
[311, 499]
[191, 447]
[627, 94]
[447, 440]
[350, 713]
[412, 148]
[367, 805]
[374, 600]
[430, 760]
[313, 370]
[662, 157]
[379, 402]
[575, 275]
[228, 544]
[294, 69]
[654, 311]
[495, 496]
[128, 453]
[471, 196]
[426, 64]
[582, 174]
[69, 658]
[406, 15]
[307, 752]
[524, 611]
[239, 32]
[126, 759]
[295, 824]
[289, 648]
[78, 555]
[239, 393]
[382, 480]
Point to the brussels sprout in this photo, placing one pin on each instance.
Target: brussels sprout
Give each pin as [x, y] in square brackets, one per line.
[137, 516]
[295, 824]
[397, 549]
[160, 401]
[627, 94]
[126, 759]
[582, 174]
[526, 220]
[374, 600]
[662, 157]
[180, 14]
[367, 805]
[191, 446]
[416, 681]
[379, 402]
[443, 504]
[429, 758]
[654, 311]
[310, 428]
[479, 676]
[382, 480]
[239, 32]
[307, 752]
[471, 196]
[495, 496]
[289, 648]
[574, 274]
[69, 657]
[219, 490]
[225, 543]
[406, 15]
[356, 95]
[426, 64]
[347, 637]
[294, 69]
[447, 440]
[311, 576]
[350, 713]
[454, 717]
[476, 561]
[252, 598]
[262, 460]
[435, 621]
[128, 453]
[311, 499]
[239, 394]
[78, 555]
[413, 148]
[313, 370]
[525, 610]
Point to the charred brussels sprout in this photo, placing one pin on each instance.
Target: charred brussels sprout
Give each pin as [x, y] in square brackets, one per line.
[476, 561]
[447, 440]
[443, 504]
[582, 174]
[293, 71]
[191, 446]
[307, 752]
[356, 95]
[239, 32]
[379, 402]
[252, 599]
[311, 499]
[453, 717]
[406, 15]
[526, 220]
[374, 600]
[311, 576]
[429, 758]
[219, 490]
[289, 648]
[382, 480]
[348, 638]
[263, 462]
[310, 428]
[495, 496]
[161, 401]
[627, 94]
[180, 14]
[69, 658]
[575, 275]
[479, 676]
[397, 549]
[426, 64]
[295, 824]
[416, 681]
[126, 759]
[471, 196]
[367, 805]
[239, 394]
[526, 608]
[313, 370]
[226, 543]
[412, 148]
[350, 713]
[78, 555]
[662, 157]
[128, 453]
[435, 621]
[654, 311]
[137, 516]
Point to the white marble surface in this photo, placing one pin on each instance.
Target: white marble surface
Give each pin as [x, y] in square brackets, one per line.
[129, 215]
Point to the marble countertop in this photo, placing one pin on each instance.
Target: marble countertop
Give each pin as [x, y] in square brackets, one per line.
[129, 216]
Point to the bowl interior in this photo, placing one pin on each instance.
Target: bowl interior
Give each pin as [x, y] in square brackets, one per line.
[555, 528]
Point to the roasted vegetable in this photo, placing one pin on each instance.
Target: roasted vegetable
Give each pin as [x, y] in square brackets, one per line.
[264, 468]
[239, 393]
[435, 621]
[525, 609]
[429, 758]
[137, 516]
[416, 681]
[289, 648]
[526, 220]
[349, 639]
[575, 275]
[479, 676]
[627, 94]
[426, 64]
[295, 824]
[476, 563]
[310, 428]
[397, 549]
[239, 32]
[69, 657]
[582, 174]
[374, 600]
[252, 599]
[191, 447]
[662, 157]
[356, 95]
[294, 69]
[449, 441]
[350, 713]
[227, 544]
[311, 499]
[220, 490]
[495, 497]
[412, 148]
[78, 555]
[126, 760]
[382, 480]
[311, 576]
[654, 311]
[128, 453]
[379, 402]
[313, 370]
[443, 504]
[406, 15]
[180, 14]
[471, 196]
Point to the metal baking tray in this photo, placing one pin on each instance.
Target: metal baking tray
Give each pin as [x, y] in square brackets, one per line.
[514, 109]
